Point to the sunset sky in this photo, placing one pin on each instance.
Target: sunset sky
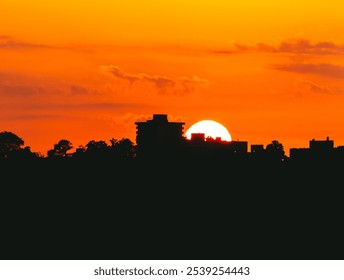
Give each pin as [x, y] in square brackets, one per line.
[87, 70]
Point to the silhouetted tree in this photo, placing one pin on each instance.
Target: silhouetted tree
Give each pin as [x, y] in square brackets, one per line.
[11, 147]
[275, 151]
[97, 146]
[60, 149]
[24, 153]
[9, 142]
[79, 152]
[94, 149]
[123, 148]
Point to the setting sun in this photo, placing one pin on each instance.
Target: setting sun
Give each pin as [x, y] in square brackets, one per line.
[210, 129]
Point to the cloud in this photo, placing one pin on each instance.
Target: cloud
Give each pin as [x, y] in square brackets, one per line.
[292, 46]
[16, 90]
[304, 85]
[29, 117]
[164, 84]
[10, 43]
[305, 47]
[14, 85]
[323, 69]
[78, 89]
[7, 42]
[82, 106]
[144, 118]
[51, 111]
[299, 49]
[130, 118]
[5, 37]
[17, 86]
[159, 81]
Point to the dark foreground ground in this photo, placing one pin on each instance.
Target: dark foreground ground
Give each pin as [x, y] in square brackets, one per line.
[171, 210]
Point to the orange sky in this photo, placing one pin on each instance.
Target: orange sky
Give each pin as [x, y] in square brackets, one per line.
[87, 70]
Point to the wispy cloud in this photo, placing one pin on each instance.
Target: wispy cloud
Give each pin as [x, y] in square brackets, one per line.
[144, 118]
[164, 84]
[27, 90]
[75, 89]
[30, 117]
[16, 90]
[54, 111]
[14, 85]
[292, 46]
[322, 69]
[13, 44]
[7, 42]
[305, 46]
[308, 86]
[5, 37]
[82, 106]
[159, 81]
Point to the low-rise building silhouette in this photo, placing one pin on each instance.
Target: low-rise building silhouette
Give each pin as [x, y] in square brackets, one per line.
[257, 148]
[320, 146]
[199, 145]
[317, 150]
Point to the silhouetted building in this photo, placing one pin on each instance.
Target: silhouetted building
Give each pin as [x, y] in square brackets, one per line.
[321, 145]
[201, 146]
[257, 148]
[159, 137]
[299, 153]
[257, 152]
[197, 137]
[318, 150]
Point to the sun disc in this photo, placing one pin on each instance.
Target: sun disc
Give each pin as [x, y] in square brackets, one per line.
[211, 129]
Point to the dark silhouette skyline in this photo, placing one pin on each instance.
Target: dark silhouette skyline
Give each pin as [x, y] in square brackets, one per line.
[160, 139]
[176, 199]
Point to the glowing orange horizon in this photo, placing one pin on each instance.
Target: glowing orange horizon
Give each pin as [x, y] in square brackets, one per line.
[87, 71]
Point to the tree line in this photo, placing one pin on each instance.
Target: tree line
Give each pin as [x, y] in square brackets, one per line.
[13, 147]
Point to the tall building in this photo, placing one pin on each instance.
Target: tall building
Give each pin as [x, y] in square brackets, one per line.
[159, 137]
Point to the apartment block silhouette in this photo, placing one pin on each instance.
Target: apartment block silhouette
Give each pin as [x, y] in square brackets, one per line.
[158, 136]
